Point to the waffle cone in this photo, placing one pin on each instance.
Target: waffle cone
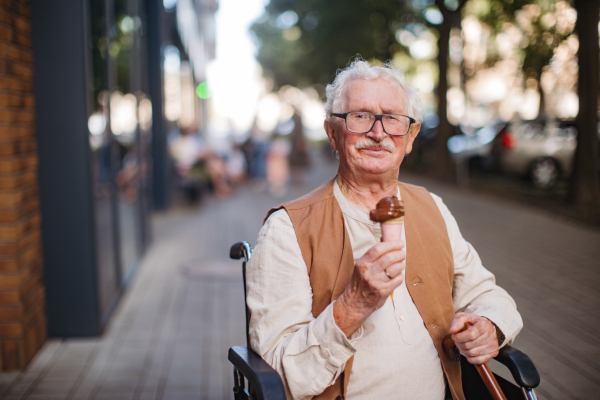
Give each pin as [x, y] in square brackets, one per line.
[395, 221]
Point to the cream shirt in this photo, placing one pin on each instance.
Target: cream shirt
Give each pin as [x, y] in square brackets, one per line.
[394, 356]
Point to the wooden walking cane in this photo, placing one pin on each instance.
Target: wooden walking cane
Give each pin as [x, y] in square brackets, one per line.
[484, 371]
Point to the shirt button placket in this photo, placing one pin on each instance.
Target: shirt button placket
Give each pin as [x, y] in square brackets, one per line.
[399, 308]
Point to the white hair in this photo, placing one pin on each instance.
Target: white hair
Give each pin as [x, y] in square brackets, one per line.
[361, 69]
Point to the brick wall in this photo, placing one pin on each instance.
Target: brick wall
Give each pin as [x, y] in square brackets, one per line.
[22, 315]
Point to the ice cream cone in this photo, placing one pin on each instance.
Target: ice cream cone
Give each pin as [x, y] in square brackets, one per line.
[391, 231]
[390, 214]
[395, 221]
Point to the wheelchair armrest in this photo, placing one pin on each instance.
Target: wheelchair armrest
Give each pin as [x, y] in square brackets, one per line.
[521, 367]
[260, 375]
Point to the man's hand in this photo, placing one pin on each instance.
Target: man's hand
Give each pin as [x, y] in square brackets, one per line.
[376, 275]
[475, 337]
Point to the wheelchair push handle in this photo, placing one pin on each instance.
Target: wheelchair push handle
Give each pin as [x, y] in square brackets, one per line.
[241, 250]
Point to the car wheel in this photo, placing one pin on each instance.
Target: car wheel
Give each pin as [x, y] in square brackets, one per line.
[544, 172]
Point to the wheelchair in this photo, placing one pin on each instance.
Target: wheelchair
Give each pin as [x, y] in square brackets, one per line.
[254, 379]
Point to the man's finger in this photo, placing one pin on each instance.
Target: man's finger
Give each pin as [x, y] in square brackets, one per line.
[468, 343]
[394, 269]
[483, 340]
[473, 333]
[460, 322]
[480, 355]
[394, 282]
[389, 259]
[479, 351]
[382, 248]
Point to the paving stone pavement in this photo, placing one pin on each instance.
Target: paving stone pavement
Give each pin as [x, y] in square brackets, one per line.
[170, 335]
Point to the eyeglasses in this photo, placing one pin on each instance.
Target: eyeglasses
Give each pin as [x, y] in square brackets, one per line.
[363, 122]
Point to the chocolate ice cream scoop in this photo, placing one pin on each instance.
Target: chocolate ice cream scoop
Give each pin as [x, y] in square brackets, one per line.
[390, 213]
[388, 208]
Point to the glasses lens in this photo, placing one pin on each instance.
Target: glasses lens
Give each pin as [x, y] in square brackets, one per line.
[396, 124]
[363, 122]
[359, 122]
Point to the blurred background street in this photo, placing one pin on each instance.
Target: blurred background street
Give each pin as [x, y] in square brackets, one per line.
[140, 139]
[170, 334]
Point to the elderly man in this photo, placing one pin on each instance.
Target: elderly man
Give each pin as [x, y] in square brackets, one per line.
[340, 314]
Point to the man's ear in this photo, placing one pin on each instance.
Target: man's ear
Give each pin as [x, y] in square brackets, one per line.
[330, 133]
[412, 135]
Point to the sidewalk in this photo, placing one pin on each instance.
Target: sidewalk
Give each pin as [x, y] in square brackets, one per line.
[550, 266]
[170, 335]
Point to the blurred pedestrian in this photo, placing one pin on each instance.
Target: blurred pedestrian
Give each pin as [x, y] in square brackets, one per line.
[298, 158]
[196, 164]
[278, 170]
[237, 167]
[255, 149]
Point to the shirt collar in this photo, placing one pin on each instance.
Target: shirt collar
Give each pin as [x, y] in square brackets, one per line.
[350, 209]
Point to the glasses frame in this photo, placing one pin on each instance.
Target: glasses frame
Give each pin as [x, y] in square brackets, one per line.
[378, 117]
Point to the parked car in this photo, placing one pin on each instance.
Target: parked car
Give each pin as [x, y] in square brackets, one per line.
[541, 149]
[471, 148]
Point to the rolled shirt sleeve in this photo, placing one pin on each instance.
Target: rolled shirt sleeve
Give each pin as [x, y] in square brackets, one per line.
[308, 353]
[475, 290]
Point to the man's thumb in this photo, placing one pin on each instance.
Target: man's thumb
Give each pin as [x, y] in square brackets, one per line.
[459, 323]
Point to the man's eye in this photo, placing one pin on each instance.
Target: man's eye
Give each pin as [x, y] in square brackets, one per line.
[361, 116]
[392, 118]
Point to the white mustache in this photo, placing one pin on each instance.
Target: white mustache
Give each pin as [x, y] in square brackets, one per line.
[368, 143]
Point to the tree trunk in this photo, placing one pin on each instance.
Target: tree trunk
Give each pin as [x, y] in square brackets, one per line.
[542, 107]
[584, 187]
[443, 167]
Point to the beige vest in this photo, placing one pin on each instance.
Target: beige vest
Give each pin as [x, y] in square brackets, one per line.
[319, 225]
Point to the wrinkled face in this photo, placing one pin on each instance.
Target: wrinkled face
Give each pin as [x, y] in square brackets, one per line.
[374, 152]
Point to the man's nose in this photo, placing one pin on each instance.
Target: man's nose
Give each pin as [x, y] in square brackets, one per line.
[377, 133]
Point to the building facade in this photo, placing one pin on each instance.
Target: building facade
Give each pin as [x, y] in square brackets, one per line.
[83, 155]
[22, 311]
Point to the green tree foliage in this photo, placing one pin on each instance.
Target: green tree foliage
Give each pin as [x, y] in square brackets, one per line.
[119, 49]
[536, 18]
[304, 42]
